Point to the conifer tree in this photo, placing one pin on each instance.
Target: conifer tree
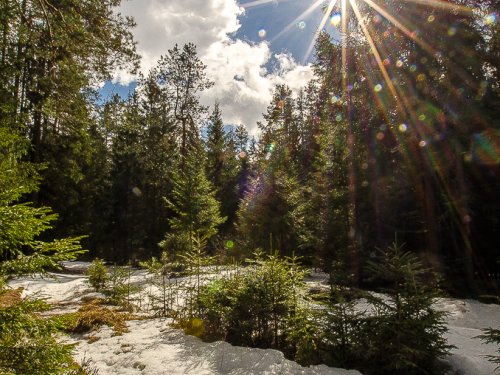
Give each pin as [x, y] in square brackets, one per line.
[27, 342]
[264, 215]
[215, 148]
[197, 211]
[127, 230]
[408, 334]
[21, 252]
[491, 335]
[222, 165]
[244, 165]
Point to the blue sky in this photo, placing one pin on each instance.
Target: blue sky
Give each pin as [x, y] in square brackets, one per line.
[274, 18]
[231, 42]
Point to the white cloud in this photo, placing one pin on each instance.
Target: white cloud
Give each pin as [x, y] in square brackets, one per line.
[209, 24]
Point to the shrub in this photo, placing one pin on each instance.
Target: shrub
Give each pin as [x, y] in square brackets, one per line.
[161, 270]
[406, 335]
[98, 275]
[119, 288]
[27, 343]
[256, 307]
[195, 260]
[344, 335]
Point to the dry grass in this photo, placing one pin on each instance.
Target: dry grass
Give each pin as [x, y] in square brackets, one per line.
[9, 298]
[93, 315]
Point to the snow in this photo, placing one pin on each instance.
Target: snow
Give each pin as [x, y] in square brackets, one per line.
[465, 320]
[152, 347]
[75, 266]
[55, 288]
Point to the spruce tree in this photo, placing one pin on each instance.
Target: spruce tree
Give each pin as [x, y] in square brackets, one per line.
[21, 224]
[197, 211]
[406, 335]
[491, 335]
[265, 213]
[222, 166]
[215, 148]
[27, 341]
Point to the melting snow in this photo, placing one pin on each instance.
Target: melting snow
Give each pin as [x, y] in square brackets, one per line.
[152, 347]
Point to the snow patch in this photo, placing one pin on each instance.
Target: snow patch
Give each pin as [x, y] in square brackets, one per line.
[152, 347]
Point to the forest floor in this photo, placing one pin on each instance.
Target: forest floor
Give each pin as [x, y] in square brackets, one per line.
[152, 346]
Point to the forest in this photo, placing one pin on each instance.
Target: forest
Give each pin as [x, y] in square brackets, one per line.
[383, 173]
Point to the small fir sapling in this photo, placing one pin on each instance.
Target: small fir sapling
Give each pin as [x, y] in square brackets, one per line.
[406, 335]
[97, 275]
[161, 271]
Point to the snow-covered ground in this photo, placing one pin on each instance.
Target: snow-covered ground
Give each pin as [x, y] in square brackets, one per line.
[152, 347]
[465, 321]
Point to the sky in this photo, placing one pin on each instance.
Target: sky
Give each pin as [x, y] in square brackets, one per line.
[248, 46]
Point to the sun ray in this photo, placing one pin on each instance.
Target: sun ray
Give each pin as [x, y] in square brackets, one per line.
[375, 51]
[426, 46]
[256, 3]
[409, 152]
[304, 14]
[443, 5]
[344, 44]
[322, 24]
[412, 35]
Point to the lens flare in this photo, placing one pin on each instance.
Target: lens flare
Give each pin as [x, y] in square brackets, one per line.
[301, 25]
[491, 19]
[336, 20]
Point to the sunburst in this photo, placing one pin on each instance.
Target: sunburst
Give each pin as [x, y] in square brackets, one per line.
[321, 25]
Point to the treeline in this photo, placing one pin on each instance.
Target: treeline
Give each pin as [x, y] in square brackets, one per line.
[396, 137]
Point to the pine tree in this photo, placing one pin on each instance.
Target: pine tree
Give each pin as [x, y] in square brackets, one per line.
[183, 76]
[27, 342]
[197, 211]
[407, 333]
[264, 215]
[21, 252]
[215, 148]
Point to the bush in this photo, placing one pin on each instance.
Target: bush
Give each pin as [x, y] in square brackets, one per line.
[27, 343]
[344, 336]
[119, 288]
[98, 275]
[162, 271]
[256, 307]
[406, 335]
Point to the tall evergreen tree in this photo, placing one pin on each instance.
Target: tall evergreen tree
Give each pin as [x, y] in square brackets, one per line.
[264, 216]
[183, 76]
[197, 211]
[49, 57]
[21, 224]
[215, 145]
